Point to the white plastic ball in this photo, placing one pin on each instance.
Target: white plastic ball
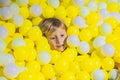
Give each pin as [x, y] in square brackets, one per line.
[98, 74]
[18, 42]
[113, 74]
[107, 50]
[3, 32]
[1, 58]
[18, 20]
[3, 78]
[102, 5]
[44, 57]
[6, 13]
[2, 45]
[4, 2]
[92, 6]
[11, 70]
[80, 22]
[35, 10]
[54, 3]
[110, 1]
[84, 47]
[15, 8]
[99, 41]
[22, 2]
[104, 13]
[84, 11]
[79, 2]
[106, 28]
[8, 58]
[73, 40]
[115, 15]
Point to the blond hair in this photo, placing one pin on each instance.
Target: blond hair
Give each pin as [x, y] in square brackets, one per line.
[51, 24]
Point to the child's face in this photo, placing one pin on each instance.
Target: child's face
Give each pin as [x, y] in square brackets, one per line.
[57, 39]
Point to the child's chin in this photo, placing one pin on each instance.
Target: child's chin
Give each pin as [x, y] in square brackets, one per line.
[60, 49]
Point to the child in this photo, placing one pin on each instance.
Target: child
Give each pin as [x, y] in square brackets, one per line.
[55, 31]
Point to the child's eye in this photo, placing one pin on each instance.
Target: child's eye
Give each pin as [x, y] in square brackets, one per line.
[52, 38]
[62, 35]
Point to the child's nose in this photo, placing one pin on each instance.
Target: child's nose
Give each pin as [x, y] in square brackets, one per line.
[59, 41]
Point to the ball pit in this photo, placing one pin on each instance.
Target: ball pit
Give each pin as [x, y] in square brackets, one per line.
[93, 40]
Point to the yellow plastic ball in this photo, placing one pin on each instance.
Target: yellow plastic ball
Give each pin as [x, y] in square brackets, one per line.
[42, 45]
[32, 2]
[34, 33]
[108, 64]
[60, 12]
[54, 56]
[83, 75]
[27, 25]
[48, 71]
[67, 21]
[48, 12]
[24, 11]
[33, 66]
[36, 21]
[73, 30]
[70, 54]
[72, 11]
[68, 76]
[61, 65]
[20, 53]
[39, 76]
[20, 63]
[93, 18]
[10, 27]
[116, 57]
[85, 35]
[112, 21]
[17, 35]
[113, 7]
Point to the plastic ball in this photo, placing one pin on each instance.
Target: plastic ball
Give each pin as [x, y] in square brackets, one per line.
[104, 13]
[11, 70]
[80, 22]
[84, 11]
[54, 3]
[113, 74]
[60, 12]
[116, 15]
[3, 78]
[3, 32]
[68, 76]
[34, 33]
[44, 57]
[67, 21]
[36, 21]
[106, 28]
[73, 30]
[48, 12]
[4, 2]
[33, 66]
[22, 2]
[15, 8]
[73, 40]
[2, 45]
[20, 53]
[29, 43]
[113, 7]
[6, 13]
[83, 75]
[18, 20]
[33, 2]
[107, 50]
[107, 64]
[79, 2]
[35, 10]
[27, 25]
[92, 6]
[102, 5]
[8, 58]
[11, 28]
[24, 11]
[83, 47]
[99, 41]
[48, 71]
[72, 9]
[18, 42]
[98, 74]
[2, 56]
[70, 54]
